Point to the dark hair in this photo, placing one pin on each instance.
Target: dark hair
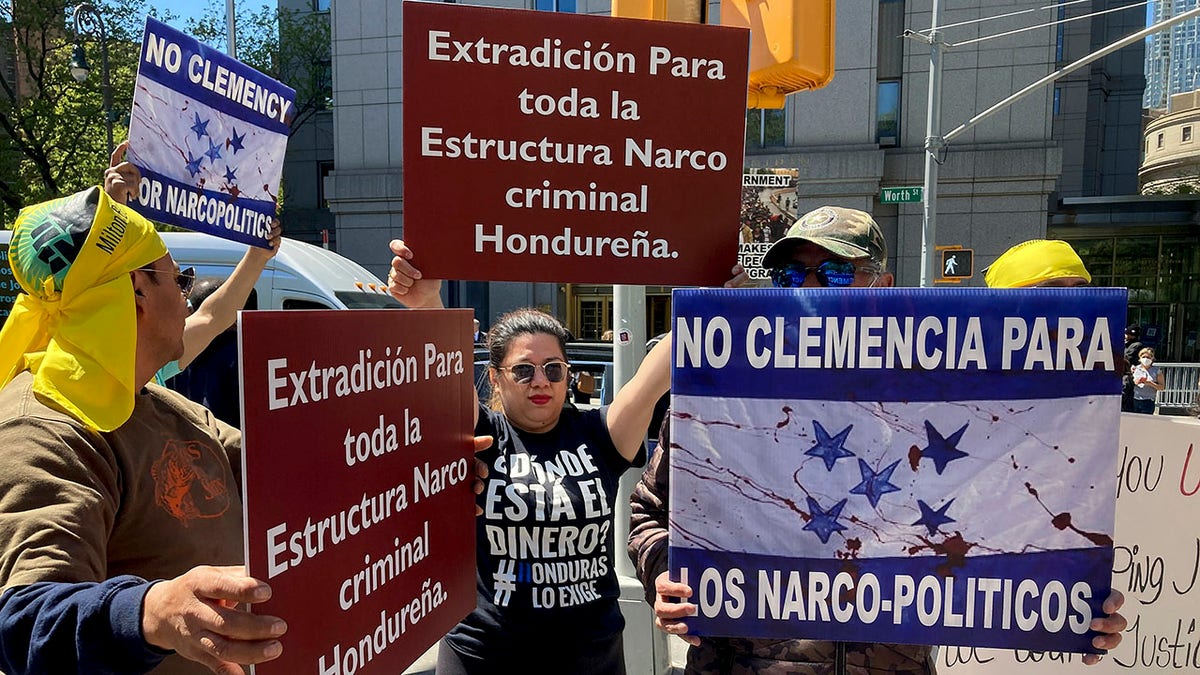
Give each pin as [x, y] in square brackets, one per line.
[206, 287]
[203, 289]
[514, 324]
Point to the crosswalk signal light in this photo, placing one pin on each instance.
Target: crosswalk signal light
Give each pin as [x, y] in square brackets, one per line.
[791, 46]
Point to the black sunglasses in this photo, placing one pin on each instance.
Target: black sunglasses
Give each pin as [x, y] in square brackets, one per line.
[831, 274]
[522, 373]
[185, 278]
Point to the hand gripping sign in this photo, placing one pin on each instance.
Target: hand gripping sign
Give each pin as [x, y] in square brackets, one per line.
[208, 134]
[358, 482]
[897, 466]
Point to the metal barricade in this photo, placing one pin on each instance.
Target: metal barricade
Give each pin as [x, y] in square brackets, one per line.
[1182, 384]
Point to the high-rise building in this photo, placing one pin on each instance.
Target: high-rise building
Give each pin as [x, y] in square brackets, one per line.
[1172, 55]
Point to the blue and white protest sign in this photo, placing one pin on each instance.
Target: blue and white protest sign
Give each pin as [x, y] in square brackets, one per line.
[208, 134]
[898, 466]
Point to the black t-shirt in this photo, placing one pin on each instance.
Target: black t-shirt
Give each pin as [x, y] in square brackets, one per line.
[544, 556]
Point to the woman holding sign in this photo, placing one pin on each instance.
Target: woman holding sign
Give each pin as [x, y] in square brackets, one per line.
[545, 575]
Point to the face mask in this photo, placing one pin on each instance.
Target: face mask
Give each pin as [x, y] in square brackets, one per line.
[1147, 361]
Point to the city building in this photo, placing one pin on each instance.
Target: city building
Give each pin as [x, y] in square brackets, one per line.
[1171, 163]
[309, 156]
[1046, 165]
[1172, 56]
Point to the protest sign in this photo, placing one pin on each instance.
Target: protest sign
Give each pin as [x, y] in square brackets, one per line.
[8, 285]
[1156, 565]
[358, 474]
[904, 466]
[768, 210]
[571, 148]
[208, 134]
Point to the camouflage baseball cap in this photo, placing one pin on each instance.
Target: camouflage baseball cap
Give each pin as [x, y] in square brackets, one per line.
[848, 233]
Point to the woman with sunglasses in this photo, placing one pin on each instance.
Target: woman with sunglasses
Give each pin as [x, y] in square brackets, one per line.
[547, 587]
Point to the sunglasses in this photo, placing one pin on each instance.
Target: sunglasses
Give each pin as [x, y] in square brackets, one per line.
[522, 373]
[185, 278]
[831, 274]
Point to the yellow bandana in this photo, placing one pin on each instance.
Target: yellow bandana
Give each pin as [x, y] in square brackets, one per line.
[1034, 262]
[75, 327]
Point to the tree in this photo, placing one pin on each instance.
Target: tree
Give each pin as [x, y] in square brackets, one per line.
[53, 128]
[288, 45]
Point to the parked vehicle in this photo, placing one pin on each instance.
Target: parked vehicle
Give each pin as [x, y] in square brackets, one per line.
[300, 276]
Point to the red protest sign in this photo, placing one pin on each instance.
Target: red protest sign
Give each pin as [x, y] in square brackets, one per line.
[571, 148]
[358, 473]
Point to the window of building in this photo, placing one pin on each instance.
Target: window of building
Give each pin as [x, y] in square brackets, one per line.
[323, 81]
[765, 127]
[1187, 134]
[594, 314]
[1162, 273]
[321, 5]
[1059, 35]
[1159, 142]
[1057, 100]
[890, 46]
[555, 6]
[887, 114]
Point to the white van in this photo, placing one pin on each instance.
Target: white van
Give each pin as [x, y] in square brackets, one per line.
[300, 276]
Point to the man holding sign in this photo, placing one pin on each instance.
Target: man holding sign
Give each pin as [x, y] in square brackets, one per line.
[830, 247]
[105, 482]
[208, 134]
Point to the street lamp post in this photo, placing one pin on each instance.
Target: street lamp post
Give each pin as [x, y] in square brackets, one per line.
[87, 19]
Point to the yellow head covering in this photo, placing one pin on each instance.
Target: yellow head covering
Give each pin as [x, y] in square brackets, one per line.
[75, 327]
[1034, 262]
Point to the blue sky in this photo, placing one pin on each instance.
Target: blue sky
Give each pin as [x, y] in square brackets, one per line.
[188, 8]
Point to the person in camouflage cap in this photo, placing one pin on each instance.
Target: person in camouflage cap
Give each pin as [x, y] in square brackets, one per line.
[830, 247]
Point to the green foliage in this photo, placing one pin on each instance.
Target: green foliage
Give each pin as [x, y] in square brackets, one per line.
[53, 128]
[290, 46]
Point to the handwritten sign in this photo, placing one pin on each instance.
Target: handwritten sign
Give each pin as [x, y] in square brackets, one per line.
[571, 148]
[917, 466]
[1156, 563]
[208, 134]
[358, 475]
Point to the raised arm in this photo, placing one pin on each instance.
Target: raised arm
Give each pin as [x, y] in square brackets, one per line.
[633, 406]
[219, 310]
[121, 178]
[407, 285]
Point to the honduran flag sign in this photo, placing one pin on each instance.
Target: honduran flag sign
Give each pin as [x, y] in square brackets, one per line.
[208, 134]
[925, 466]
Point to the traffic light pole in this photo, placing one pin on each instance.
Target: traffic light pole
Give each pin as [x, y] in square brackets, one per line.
[1067, 70]
[935, 143]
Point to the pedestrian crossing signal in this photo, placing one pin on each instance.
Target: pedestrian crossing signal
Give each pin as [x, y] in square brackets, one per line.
[958, 263]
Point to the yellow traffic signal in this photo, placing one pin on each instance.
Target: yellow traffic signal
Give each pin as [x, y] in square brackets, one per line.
[791, 46]
[687, 11]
